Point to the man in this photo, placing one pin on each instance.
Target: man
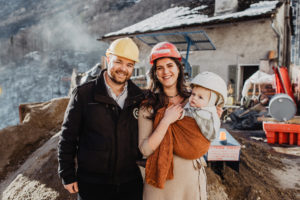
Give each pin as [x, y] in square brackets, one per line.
[100, 132]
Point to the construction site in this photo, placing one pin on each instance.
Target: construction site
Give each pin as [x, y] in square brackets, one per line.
[252, 45]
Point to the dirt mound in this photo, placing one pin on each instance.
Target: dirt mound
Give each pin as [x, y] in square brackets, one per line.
[40, 121]
[255, 179]
[37, 178]
[215, 189]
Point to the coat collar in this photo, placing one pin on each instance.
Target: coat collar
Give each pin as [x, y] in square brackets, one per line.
[100, 94]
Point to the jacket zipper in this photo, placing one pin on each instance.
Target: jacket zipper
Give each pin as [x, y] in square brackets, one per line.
[115, 160]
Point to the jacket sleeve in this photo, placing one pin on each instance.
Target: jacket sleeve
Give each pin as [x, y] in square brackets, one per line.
[68, 141]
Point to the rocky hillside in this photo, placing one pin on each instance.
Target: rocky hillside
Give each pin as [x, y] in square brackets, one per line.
[42, 41]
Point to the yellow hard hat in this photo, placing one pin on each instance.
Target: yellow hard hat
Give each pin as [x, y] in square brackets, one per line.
[124, 47]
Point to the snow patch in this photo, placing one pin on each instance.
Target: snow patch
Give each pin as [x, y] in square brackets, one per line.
[35, 55]
[170, 18]
[259, 139]
[263, 4]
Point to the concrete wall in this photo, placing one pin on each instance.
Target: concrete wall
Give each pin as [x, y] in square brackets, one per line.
[236, 44]
[144, 55]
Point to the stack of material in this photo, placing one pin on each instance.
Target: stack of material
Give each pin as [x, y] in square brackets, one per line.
[282, 128]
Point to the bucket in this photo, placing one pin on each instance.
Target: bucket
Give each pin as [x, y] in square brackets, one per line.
[282, 107]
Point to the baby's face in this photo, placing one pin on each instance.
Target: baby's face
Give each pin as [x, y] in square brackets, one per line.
[200, 97]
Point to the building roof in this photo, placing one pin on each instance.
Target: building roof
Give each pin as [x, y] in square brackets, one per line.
[185, 16]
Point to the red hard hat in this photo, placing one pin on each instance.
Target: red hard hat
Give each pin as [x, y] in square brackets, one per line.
[164, 49]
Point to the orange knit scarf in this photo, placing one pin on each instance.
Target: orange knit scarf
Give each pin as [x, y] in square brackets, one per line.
[184, 139]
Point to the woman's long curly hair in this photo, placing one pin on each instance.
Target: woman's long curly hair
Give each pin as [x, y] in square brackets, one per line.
[156, 98]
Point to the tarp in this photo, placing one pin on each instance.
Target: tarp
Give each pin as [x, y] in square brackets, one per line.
[258, 77]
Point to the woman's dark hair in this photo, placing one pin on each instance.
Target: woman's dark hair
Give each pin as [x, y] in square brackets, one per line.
[156, 98]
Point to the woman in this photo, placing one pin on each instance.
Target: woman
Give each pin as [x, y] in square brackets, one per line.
[171, 146]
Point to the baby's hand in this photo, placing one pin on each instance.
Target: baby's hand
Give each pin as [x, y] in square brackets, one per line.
[219, 111]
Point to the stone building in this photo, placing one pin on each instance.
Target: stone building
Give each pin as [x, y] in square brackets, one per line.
[241, 35]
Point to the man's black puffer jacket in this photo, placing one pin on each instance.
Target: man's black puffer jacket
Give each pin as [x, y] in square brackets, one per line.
[102, 136]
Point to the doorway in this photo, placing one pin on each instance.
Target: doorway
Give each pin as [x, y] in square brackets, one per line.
[244, 72]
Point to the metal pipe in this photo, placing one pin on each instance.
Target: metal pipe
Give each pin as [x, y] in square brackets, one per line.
[278, 46]
[278, 41]
[287, 35]
[187, 56]
[279, 73]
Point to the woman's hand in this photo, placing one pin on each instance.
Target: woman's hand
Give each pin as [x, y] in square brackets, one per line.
[172, 113]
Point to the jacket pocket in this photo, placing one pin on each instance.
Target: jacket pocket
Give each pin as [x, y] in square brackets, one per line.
[93, 161]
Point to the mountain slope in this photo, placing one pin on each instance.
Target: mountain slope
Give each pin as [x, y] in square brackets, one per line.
[42, 41]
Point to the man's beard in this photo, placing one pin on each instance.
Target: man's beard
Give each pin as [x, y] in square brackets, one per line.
[112, 77]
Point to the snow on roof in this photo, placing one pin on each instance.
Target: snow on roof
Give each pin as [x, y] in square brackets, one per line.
[184, 16]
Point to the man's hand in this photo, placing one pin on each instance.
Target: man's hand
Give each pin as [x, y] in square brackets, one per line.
[72, 187]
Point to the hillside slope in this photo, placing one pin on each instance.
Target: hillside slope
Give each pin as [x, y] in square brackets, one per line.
[42, 41]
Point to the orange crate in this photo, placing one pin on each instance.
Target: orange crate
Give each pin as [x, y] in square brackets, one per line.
[282, 133]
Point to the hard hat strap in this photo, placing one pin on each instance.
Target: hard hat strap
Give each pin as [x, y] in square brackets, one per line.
[213, 98]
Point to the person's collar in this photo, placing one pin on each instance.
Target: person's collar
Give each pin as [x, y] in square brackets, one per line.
[135, 94]
[109, 88]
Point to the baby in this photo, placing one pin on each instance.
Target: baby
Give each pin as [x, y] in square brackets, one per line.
[208, 91]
